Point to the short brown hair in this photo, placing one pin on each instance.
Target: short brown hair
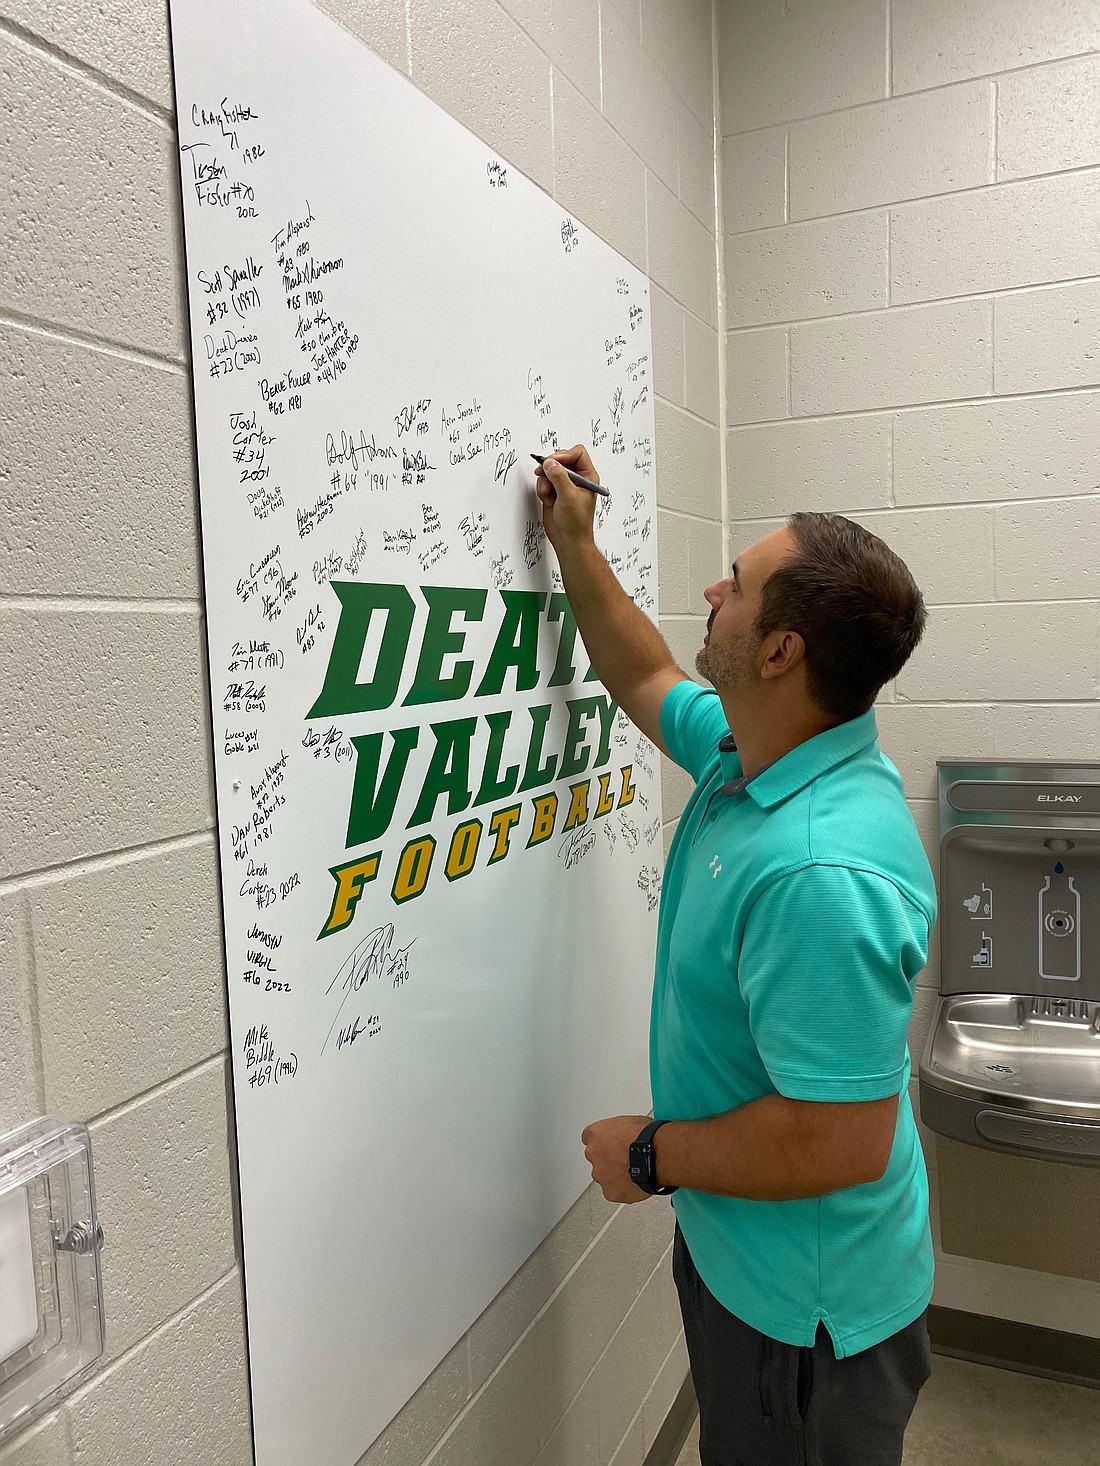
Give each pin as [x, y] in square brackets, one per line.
[855, 605]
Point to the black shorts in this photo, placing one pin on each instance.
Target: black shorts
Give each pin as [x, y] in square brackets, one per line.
[765, 1403]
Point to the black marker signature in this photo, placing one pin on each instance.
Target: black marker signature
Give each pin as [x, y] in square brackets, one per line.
[371, 958]
[576, 845]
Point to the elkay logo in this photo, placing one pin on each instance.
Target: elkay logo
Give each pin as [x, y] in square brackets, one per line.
[1060, 798]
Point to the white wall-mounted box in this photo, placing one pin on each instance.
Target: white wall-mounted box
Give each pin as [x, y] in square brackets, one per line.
[51, 1287]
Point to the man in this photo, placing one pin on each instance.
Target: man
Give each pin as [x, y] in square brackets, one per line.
[795, 917]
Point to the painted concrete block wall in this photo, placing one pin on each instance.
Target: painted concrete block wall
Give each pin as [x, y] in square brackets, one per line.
[911, 201]
[112, 1004]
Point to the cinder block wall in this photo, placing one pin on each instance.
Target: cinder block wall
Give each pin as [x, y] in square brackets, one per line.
[911, 199]
[112, 1006]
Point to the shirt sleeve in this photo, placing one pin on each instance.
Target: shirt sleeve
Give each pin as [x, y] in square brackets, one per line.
[692, 722]
[827, 967]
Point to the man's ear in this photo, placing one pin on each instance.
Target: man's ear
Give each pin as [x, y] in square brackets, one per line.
[784, 650]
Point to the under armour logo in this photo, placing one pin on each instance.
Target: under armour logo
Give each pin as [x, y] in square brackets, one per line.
[716, 866]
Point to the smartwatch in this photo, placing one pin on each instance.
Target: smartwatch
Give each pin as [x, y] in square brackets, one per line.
[643, 1162]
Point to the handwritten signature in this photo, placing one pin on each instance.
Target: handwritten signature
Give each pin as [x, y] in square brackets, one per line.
[375, 956]
[649, 881]
[576, 846]
[629, 832]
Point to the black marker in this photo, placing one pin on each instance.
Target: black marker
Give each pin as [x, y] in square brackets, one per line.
[576, 478]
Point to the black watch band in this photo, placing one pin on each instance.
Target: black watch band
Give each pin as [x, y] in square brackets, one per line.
[643, 1162]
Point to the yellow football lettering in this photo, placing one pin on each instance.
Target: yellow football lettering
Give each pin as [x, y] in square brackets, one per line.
[578, 806]
[546, 812]
[350, 880]
[413, 869]
[463, 851]
[607, 800]
[501, 826]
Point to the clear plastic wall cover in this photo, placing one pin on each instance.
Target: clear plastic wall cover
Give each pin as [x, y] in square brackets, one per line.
[51, 1162]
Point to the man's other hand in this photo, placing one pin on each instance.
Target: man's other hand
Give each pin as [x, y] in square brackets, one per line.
[607, 1144]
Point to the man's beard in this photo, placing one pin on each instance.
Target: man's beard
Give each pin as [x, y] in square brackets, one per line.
[730, 664]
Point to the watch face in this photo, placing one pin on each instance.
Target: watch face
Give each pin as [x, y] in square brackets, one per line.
[641, 1164]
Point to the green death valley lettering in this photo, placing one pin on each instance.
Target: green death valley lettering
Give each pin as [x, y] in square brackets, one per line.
[468, 762]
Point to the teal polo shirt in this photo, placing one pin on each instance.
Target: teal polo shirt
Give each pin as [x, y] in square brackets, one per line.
[795, 917]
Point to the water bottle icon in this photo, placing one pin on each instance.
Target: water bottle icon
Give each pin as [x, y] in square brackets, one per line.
[983, 957]
[1060, 927]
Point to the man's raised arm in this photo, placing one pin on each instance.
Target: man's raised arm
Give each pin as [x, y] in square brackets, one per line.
[629, 654]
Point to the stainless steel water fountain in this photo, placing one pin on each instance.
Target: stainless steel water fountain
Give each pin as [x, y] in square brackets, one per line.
[1012, 1060]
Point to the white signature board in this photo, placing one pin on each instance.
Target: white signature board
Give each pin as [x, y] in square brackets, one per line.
[440, 842]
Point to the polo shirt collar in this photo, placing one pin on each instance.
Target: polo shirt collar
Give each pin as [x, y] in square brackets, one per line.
[729, 760]
[785, 776]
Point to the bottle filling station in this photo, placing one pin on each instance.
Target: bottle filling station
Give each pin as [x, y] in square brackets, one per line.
[1012, 1060]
